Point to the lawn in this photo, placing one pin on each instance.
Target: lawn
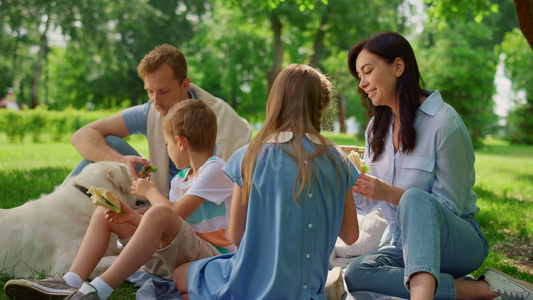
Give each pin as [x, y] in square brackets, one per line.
[504, 185]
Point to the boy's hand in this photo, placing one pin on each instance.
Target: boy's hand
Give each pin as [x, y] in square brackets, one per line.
[141, 187]
[127, 215]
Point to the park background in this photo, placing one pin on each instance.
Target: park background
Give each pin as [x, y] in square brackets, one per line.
[71, 62]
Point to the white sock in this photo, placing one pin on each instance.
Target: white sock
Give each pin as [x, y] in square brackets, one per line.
[73, 280]
[103, 289]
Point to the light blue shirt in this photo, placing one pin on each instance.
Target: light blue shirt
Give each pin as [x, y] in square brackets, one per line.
[284, 252]
[442, 163]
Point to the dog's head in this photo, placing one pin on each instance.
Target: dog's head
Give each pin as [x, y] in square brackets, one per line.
[112, 176]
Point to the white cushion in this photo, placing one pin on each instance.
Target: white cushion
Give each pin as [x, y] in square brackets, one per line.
[371, 228]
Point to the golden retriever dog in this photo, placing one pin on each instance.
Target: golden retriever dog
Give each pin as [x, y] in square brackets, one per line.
[43, 236]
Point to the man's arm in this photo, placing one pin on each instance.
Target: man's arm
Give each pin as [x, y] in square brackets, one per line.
[91, 144]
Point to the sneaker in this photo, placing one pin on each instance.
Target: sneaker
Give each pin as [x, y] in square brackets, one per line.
[334, 289]
[30, 289]
[508, 287]
[86, 292]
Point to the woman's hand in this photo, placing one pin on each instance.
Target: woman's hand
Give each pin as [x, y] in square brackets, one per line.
[376, 189]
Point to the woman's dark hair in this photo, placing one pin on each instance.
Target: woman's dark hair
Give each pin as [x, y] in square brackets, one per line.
[389, 46]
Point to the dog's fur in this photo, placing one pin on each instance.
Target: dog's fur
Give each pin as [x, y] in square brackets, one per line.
[43, 236]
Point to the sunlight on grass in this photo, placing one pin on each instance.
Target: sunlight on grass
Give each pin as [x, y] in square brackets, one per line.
[504, 185]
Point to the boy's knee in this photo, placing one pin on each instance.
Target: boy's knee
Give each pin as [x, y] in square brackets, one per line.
[158, 212]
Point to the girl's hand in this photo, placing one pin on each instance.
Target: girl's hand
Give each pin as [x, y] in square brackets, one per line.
[141, 187]
[376, 189]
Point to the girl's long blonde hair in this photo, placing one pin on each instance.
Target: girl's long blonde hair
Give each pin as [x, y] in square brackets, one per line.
[295, 104]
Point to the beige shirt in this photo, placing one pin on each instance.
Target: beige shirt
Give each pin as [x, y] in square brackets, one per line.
[233, 133]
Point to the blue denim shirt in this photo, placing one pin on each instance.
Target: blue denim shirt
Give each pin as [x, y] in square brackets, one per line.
[442, 163]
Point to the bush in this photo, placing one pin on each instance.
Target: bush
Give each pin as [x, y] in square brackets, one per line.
[521, 124]
[43, 124]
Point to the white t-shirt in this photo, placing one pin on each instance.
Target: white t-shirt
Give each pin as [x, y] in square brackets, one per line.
[210, 220]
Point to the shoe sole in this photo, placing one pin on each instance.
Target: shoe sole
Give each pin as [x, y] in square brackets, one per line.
[526, 285]
[24, 290]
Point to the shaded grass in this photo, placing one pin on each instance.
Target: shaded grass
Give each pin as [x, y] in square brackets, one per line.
[504, 184]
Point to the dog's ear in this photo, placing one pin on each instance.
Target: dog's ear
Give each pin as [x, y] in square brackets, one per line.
[120, 177]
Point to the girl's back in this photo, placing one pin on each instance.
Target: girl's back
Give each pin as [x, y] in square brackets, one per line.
[284, 253]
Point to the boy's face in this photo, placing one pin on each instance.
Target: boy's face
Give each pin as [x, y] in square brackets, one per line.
[164, 90]
[176, 152]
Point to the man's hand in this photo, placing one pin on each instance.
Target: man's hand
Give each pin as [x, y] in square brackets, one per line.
[131, 162]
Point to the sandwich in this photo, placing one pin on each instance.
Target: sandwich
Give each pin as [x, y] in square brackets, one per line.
[104, 198]
[358, 162]
[146, 170]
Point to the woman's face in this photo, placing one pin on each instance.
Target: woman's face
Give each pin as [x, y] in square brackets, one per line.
[377, 78]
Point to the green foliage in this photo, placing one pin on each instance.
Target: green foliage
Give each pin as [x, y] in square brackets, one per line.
[520, 124]
[42, 123]
[449, 11]
[461, 65]
[518, 65]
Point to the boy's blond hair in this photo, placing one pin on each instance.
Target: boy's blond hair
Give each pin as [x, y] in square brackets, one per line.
[196, 121]
[160, 55]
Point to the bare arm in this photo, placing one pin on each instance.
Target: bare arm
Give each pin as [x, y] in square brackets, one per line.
[183, 208]
[187, 205]
[90, 142]
[237, 219]
[350, 228]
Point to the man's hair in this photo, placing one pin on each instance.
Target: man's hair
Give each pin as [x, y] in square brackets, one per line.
[193, 119]
[160, 55]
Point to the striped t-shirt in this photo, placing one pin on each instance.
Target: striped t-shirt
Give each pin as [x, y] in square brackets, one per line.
[210, 220]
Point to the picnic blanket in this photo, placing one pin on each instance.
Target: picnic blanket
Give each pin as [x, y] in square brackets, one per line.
[371, 228]
[153, 287]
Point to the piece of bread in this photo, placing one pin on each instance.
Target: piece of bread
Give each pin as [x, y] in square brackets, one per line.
[146, 170]
[104, 198]
[358, 162]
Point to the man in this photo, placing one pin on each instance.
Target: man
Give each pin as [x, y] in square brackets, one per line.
[164, 72]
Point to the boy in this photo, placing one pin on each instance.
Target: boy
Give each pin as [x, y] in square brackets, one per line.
[200, 193]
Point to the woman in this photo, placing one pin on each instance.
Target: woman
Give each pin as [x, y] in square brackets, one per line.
[421, 176]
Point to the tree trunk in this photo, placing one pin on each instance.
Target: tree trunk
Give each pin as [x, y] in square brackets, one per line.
[278, 49]
[319, 41]
[524, 11]
[134, 91]
[39, 65]
[342, 111]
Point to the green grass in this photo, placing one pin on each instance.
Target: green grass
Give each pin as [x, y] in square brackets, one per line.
[504, 184]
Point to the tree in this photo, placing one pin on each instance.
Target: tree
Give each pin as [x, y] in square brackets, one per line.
[451, 9]
[460, 62]
[518, 66]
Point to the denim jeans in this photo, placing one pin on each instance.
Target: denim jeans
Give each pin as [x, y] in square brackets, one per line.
[433, 240]
[115, 142]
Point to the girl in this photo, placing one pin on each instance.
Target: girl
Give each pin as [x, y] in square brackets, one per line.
[421, 176]
[291, 200]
